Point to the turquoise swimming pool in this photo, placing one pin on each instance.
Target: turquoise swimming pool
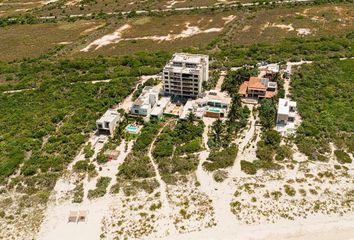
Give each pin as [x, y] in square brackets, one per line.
[132, 129]
[215, 110]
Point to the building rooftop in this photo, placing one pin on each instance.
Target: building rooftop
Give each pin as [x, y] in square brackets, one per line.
[109, 116]
[160, 106]
[215, 96]
[273, 67]
[189, 58]
[143, 99]
[256, 83]
[187, 108]
[284, 106]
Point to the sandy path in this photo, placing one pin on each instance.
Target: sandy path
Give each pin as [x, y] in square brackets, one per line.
[166, 225]
[183, 9]
[243, 154]
[219, 193]
[312, 228]
[221, 80]
[55, 225]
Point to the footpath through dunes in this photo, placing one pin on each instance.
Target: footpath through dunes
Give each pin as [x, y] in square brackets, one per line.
[165, 224]
[221, 193]
[60, 205]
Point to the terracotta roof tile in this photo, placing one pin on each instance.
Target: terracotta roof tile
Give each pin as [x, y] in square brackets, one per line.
[255, 83]
[243, 88]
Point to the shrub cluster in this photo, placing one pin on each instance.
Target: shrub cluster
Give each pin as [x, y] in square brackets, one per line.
[101, 188]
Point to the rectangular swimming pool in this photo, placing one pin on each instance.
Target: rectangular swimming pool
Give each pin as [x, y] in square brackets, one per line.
[132, 129]
[215, 110]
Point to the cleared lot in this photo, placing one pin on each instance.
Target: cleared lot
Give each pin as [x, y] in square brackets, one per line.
[272, 25]
[21, 41]
[157, 33]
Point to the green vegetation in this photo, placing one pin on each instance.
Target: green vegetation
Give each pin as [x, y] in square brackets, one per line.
[34, 72]
[234, 79]
[220, 175]
[149, 82]
[132, 187]
[289, 190]
[78, 193]
[137, 164]
[175, 146]
[214, 76]
[221, 159]
[342, 156]
[222, 133]
[248, 167]
[88, 151]
[63, 113]
[101, 188]
[293, 49]
[322, 92]
[22, 19]
[267, 147]
[267, 113]
[84, 166]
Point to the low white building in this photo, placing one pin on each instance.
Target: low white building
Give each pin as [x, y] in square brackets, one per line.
[160, 107]
[108, 122]
[271, 68]
[145, 102]
[286, 111]
[191, 107]
[214, 103]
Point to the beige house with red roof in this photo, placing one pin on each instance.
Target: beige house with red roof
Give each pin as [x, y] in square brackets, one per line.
[257, 87]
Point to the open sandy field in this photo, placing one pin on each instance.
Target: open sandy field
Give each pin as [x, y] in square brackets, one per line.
[22, 41]
[157, 33]
[271, 25]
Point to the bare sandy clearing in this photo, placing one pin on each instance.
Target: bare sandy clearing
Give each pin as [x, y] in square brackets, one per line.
[188, 31]
[303, 31]
[114, 37]
[171, 3]
[228, 19]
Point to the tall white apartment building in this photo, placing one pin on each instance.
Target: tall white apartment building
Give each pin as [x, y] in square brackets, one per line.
[184, 75]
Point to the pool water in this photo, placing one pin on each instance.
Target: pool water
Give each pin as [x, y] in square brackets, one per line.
[132, 129]
[215, 110]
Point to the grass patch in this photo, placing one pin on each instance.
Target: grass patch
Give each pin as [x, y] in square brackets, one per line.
[101, 188]
[221, 159]
[342, 157]
[321, 92]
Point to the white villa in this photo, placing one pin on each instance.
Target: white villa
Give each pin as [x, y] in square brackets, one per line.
[160, 107]
[271, 68]
[286, 111]
[108, 122]
[145, 102]
[213, 104]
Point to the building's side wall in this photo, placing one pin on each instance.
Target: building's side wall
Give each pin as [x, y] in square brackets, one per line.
[282, 118]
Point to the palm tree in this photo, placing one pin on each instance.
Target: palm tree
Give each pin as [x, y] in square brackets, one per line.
[217, 128]
[191, 117]
[234, 112]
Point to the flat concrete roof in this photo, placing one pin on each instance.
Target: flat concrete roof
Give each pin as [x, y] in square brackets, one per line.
[284, 106]
[189, 58]
[109, 116]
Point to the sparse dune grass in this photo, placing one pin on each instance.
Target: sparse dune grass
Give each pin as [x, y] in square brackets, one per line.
[169, 33]
[20, 41]
[273, 24]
